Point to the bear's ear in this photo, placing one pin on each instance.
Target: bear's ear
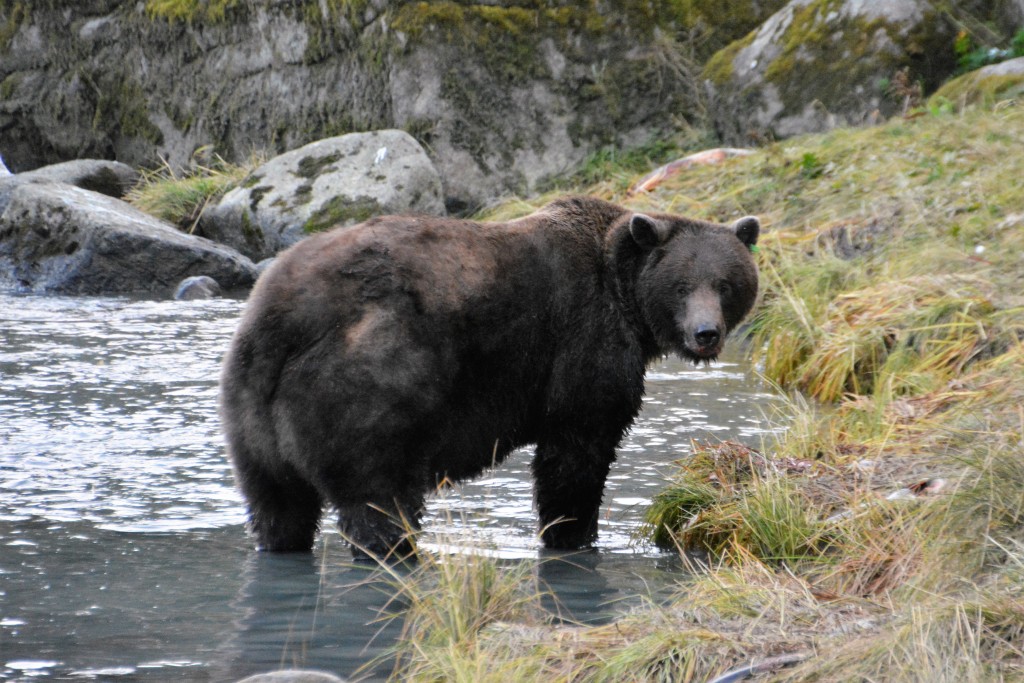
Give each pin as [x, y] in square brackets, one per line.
[646, 231]
[747, 229]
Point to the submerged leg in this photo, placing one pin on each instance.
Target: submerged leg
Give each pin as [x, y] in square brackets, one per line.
[568, 487]
[284, 509]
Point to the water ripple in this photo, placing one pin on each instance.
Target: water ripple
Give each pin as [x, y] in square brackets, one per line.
[108, 415]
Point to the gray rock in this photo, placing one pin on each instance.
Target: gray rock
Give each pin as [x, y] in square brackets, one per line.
[57, 238]
[293, 676]
[1012, 14]
[111, 178]
[1011, 67]
[197, 287]
[817, 64]
[337, 181]
[263, 265]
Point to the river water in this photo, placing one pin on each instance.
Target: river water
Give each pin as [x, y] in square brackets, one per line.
[123, 555]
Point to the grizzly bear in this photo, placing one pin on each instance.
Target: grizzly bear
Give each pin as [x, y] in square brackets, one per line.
[374, 362]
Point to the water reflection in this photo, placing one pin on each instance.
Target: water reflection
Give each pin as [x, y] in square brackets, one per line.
[122, 554]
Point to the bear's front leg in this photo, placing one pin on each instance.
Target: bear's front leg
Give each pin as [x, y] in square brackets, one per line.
[569, 481]
[381, 531]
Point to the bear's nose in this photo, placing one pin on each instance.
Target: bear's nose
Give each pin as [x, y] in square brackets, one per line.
[706, 335]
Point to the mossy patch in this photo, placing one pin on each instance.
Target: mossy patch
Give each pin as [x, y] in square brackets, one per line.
[503, 39]
[16, 15]
[192, 11]
[312, 166]
[303, 193]
[121, 107]
[251, 180]
[978, 89]
[252, 235]
[719, 68]
[713, 25]
[9, 85]
[342, 210]
[256, 195]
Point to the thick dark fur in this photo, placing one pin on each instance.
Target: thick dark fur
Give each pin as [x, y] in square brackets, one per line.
[375, 361]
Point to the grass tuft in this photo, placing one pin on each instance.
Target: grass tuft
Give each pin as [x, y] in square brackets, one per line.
[181, 197]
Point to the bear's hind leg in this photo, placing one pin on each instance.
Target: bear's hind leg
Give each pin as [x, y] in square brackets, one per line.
[284, 509]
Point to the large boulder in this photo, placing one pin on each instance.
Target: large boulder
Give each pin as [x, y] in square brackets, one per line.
[111, 178]
[817, 64]
[60, 239]
[333, 182]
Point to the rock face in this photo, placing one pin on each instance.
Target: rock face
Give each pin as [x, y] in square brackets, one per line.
[817, 64]
[60, 239]
[337, 181]
[503, 96]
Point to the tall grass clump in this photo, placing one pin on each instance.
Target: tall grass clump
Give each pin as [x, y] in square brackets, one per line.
[728, 498]
[180, 197]
[452, 598]
[977, 639]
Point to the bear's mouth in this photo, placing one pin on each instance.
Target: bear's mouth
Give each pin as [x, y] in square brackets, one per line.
[700, 354]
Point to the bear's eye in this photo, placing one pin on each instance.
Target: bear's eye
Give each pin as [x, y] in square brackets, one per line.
[725, 288]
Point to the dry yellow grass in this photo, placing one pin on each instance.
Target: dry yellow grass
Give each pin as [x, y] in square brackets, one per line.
[893, 266]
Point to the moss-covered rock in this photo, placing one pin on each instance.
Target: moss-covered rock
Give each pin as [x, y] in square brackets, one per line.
[985, 87]
[816, 64]
[329, 183]
[713, 24]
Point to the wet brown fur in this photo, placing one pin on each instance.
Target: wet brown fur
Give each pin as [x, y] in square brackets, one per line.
[375, 361]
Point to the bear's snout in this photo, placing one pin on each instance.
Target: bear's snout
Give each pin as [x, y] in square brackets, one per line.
[707, 336]
[703, 340]
[702, 327]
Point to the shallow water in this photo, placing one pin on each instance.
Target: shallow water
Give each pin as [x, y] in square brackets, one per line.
[122, 550]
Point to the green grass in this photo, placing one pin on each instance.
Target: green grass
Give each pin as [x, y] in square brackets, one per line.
[180, 197]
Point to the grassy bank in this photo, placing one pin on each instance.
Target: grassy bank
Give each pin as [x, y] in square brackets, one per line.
[881, 537]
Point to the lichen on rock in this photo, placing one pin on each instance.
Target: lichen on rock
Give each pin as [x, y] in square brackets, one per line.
[816, 64]
[329, 183]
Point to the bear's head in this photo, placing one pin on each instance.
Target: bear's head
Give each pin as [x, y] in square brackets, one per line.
[697, 281]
